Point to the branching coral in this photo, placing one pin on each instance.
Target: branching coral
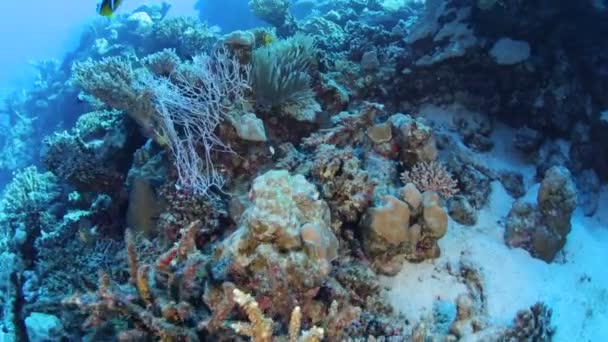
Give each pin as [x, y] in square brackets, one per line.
[29, 191]
[260, 327]
[159, 299]
[113, 81]
[275, 12]
[56, 276]
[431, 176]
[26, 207]
[110, 79]
[93, 155]
[16, 142]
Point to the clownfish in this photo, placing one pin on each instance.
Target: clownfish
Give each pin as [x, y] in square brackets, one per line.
[107, 7]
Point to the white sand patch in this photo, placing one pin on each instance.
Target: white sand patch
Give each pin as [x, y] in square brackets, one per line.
[576, 290]
[419, 286]
[504, 156]
[576, 287]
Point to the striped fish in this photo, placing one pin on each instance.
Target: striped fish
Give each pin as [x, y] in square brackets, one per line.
[107, 7]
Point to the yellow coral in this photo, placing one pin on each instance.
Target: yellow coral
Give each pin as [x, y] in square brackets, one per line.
[295, 324]
[143, 284]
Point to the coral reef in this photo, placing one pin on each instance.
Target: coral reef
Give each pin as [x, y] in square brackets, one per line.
[197, 185]
[284, 244]
[542, 229]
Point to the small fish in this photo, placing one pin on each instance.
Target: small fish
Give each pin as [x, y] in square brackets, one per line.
[268, 39]
[108, 7]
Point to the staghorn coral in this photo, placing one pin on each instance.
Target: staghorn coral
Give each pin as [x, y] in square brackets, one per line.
[157, 298]
[431, 176]
[260, 327]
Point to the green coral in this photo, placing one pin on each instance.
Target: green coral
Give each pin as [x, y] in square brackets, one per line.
[280, 72]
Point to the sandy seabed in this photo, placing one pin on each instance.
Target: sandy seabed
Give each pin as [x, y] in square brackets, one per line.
[575, 286]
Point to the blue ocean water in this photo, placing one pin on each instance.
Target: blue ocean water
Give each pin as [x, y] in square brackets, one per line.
[34, 30]
[311, 170]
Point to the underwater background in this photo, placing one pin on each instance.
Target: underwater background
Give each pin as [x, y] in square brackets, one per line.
[304, 170]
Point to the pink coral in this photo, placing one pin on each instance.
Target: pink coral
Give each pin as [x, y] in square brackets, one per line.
[431, 176]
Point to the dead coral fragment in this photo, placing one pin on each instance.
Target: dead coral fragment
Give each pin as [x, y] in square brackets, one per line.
[431, 176]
